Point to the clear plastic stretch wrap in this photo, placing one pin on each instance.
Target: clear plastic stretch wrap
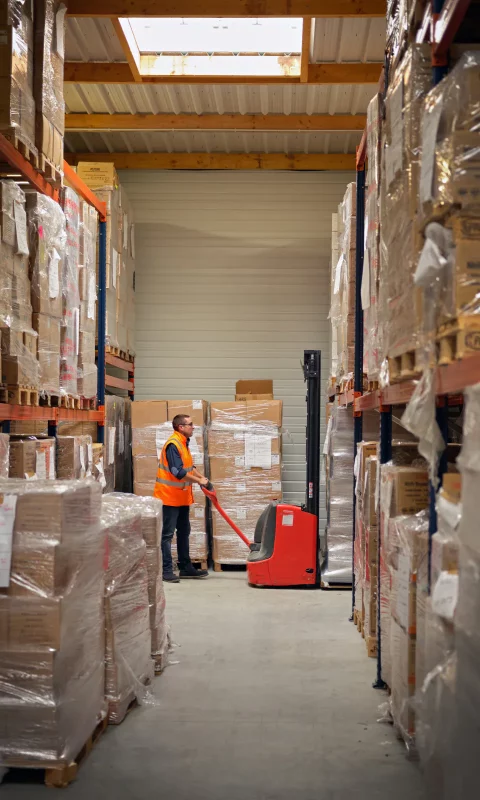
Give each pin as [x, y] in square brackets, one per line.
[115, 442]
[69, 333]
[18, 339]
[151, 427]
[450, 162]
[4, 454]
[435, 657]
[17, 113]
[400, 242]
[74, 456]
[372, 346]
[129, 666]
[150, 510]
[87, 370]
[244, 446]
[33, 457]
[466, 722]
[49, 69]
[342, 312]
[47, 239]
[52, 662]
[338, 561]
[370, 545]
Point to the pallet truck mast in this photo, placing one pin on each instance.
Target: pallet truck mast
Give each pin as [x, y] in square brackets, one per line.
[286, 546]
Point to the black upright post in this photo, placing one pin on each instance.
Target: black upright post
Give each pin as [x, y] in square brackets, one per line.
[358, 362]
[312, 374]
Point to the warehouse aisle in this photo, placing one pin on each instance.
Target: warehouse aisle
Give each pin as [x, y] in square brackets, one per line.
[270, 700]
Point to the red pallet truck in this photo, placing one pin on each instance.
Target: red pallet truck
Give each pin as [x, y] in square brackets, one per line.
[286, 546]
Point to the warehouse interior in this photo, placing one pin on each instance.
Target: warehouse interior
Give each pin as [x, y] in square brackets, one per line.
[239, 398]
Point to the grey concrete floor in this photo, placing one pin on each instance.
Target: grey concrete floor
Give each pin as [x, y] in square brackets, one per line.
[270, 699]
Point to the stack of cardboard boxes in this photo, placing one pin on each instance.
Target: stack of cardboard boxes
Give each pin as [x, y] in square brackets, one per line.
[52, 663]
[244, 446]
[18, 339]
[33, 457]
[103, 179]
[87, 370]
[69, 332]
[343, 279]
[372, 345]
[49, 50]
[129, 666]
[151, 427]
[365, 556]
[339, 445]
[17, 106]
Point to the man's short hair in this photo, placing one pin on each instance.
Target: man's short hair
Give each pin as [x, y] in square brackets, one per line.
[179, 419]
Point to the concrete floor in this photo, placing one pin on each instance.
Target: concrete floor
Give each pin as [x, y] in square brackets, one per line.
[270, 699]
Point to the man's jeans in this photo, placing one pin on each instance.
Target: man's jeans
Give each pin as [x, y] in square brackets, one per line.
[175, 518]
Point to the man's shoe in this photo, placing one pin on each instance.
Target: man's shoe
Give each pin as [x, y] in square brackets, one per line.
[191, 572]
[171, 577]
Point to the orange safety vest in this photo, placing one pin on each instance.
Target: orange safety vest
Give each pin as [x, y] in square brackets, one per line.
[170, 490]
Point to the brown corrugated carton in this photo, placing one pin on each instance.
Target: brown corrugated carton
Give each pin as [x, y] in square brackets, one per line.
[74, 456]
[196, 409]
[97, 174]
[254, 390]
[23, 458]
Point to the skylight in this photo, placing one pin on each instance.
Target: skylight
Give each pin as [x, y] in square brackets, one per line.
[213, 46]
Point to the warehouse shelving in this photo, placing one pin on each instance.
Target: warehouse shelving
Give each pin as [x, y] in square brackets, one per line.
[441, 22]
[13, 165]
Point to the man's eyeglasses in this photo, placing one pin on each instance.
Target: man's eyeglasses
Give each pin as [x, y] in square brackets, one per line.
[187, 425]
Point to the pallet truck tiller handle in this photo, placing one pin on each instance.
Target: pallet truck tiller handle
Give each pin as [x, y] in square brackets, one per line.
[209, 491]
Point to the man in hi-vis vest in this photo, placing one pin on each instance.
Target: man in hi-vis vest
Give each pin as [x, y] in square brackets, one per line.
[175, 475]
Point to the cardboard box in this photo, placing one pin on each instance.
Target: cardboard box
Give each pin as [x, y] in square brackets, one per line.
[23, 458]
[33, 622]
[196, 409]
[254, 390]
[410, 491]
[39, 569]
[97, 174]
[268, 412]
[148, 412]
[74, 457]
[145, 470]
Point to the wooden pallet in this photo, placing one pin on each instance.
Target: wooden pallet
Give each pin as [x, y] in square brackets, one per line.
[372, 386]
[371, 644]
[160, 661]
[15, 137]
[218, 567]
[459, 338]
[88, 403]
[119, 710]
[405, 366]
[23, 395]
[52, 400]
[336, 586]
[61, 774]
[50, 172]
[117, 351]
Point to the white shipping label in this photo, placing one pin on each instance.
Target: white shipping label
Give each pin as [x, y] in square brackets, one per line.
[121, 439]
[287, 520]
[241, 487]
[7, 522]
[403, 589]
[111, 444]
[258, 451]
[199, 512]
[83, 466]
[241, 513]
[276, 486]
[430, 122]
[125, 232]
[275, 459]
[60, 31]
[326, 444]
[356, 465]
[41, 465]
[445, 595]
[338, 275]
[90, 455]
[91, 295]
[239, 461]
[197, 405]
[101, 473]
[53, 274]
[199, 458]
[114, 268]
[51, 463]
[21, 228]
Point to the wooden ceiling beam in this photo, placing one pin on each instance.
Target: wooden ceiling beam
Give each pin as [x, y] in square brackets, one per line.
[227, 8]
[126, 38]
[268, 161]
[120, 72]
[215, 122]
[305, 58]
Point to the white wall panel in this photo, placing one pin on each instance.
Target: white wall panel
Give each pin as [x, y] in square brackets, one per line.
[233, 282]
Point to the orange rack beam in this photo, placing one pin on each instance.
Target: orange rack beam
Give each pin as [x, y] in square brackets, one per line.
[22, 413]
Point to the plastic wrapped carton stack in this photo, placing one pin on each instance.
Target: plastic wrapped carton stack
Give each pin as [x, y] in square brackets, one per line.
[74, 457]
[448, 272]
[372, 346]
[244, 446]
[47, 238]
[48, 83]
[17, 109]
[103, 179]
[18, 339]
[365, 556]
[52, 661]
[463, 771]
[87, 370]
[336, 245]
[343, 277]
[400, 239]
[435, 656]
[338, 564]
[151, 427]
[69, 332]
[129, 666]
[117, 450]
[150, 510]
[33, 457]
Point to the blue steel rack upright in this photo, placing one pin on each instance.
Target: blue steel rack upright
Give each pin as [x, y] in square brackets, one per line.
[442, 19]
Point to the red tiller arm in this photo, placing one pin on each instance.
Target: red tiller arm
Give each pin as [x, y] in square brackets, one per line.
[212, 495]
